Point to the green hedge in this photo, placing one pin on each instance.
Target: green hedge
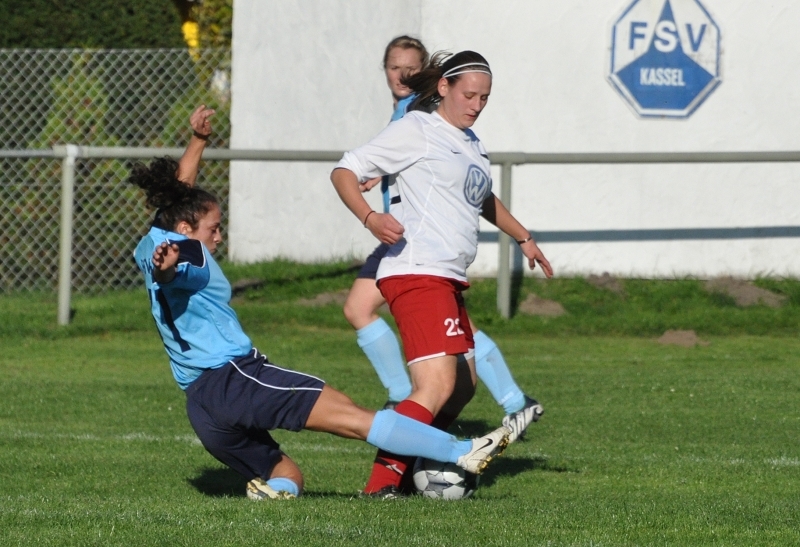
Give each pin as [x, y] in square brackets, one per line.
[90, 23]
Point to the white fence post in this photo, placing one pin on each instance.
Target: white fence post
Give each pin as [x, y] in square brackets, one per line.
[68, 153]
[504, 248]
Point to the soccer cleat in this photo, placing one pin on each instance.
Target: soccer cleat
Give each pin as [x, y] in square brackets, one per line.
[519, 421]
[390, 405]
[390, 492]
[258, 489]
[484, 449]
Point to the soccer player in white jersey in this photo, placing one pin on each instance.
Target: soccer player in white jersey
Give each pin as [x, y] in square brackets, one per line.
[234, 395]
[405, 56]
[442, 177]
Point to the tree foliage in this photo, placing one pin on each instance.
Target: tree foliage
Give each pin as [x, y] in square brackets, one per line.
[90, 24]
[215, 18]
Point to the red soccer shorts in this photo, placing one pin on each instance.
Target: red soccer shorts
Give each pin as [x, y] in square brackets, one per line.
[430, 314]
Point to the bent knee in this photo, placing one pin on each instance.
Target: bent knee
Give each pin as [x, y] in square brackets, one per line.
[358, 312]
[433, 398]
[287, 468]
[352, 312]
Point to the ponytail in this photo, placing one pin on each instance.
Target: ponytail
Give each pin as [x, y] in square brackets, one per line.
[173, 200]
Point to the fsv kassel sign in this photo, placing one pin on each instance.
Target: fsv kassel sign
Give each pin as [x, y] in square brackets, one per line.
[665, 56]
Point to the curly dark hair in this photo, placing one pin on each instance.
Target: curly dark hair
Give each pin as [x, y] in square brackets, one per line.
[173, 200]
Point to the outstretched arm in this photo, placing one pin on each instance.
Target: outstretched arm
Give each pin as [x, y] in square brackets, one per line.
[189, 164]
[495, 212]
[383, 226]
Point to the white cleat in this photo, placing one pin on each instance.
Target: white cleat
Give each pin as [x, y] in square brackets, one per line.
[258, 489]
[484, 449]
[519, 421]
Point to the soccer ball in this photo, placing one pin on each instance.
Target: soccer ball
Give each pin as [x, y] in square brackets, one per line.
[444, 481]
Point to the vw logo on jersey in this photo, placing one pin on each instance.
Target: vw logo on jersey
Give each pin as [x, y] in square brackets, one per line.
[665, 56]
[477, 186]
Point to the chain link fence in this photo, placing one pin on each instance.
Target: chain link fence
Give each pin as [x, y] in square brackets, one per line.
[95, 98]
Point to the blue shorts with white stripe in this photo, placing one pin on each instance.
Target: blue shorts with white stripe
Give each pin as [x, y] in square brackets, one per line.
[232, 409]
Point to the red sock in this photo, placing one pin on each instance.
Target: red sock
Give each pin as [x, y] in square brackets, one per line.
[388, 468]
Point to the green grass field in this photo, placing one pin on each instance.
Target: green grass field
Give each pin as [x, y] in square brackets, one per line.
[641, 444]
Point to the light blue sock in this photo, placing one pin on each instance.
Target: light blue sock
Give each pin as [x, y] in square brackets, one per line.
[282, 483]
[404, 436]
[493, 372]
[379, 343]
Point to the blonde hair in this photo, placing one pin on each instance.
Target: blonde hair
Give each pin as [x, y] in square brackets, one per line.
[406, 42]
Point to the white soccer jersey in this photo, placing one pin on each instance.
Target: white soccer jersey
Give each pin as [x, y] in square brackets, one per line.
[443, 177]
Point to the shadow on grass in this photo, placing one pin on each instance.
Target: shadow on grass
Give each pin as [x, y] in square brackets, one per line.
[228, 483]
[509, 466]
[219, 483]
[330, 495]
[241, 285]
[222, 483]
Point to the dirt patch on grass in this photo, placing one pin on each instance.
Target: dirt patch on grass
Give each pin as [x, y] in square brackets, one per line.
[325, 298]
[337, 297]
[607, 282]
[745, 293]
[535, 305]
[684, 338]
[243, 285]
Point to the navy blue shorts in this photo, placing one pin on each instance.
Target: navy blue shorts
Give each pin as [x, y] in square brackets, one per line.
[233, 408]
[370, 268]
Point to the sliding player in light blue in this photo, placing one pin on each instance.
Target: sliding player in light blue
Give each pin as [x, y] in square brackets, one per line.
[405, 55]
[234, 394]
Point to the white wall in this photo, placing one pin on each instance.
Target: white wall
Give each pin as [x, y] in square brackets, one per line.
[306, 75]
[310, 78]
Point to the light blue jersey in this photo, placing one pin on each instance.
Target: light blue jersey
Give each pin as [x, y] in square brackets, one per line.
[199, 329]
[399, 111]
[402, 107]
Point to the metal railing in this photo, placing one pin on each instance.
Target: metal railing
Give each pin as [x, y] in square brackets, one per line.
[507, 160]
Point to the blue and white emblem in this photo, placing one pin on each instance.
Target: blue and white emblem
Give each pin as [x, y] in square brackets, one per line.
[477, 186]
[665, 56]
